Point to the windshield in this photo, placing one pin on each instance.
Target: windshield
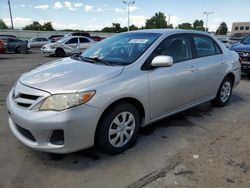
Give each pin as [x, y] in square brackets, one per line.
[246, 40]
[121, 49]
[62, 40]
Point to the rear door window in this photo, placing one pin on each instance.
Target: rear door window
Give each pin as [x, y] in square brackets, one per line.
[84, 40]
[72, 41]
[205, 46]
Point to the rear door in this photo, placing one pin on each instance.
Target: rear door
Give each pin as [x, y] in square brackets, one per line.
[210, 65]
[12, 44]
[84, 43]
[73, 42]
[35, 43]
[44, 41]
[172, 88]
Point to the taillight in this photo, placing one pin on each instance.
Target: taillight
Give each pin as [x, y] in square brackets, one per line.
[240, 60]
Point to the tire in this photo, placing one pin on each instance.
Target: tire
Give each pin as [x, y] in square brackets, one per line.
[60, 52]
[113, 135]
[224, 93]
[18, 49]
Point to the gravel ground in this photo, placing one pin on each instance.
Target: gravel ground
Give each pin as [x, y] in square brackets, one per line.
[201, 147]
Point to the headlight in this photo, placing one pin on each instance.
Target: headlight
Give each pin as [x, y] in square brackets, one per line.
[64, 101]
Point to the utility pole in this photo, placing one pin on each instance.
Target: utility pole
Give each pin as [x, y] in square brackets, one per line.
[129, 4]
[207, 14]
[169, 19]
[11, 19]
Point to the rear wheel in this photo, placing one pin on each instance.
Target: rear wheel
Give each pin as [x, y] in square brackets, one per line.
[60, 52]
[224, 93]
[118, 128]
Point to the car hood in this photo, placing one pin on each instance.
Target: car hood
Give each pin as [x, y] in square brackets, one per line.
[240, 47]
[52, 44]
[68, 75]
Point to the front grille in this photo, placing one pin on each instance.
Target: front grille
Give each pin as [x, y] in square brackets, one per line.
[26, 133]
[30, 97]
[24, 100]
[245, 56]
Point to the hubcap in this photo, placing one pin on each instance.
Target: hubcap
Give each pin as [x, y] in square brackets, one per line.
[225, 91]
[121, 129]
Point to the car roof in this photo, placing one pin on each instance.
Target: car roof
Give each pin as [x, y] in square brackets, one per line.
[170, 31]
[70, 37]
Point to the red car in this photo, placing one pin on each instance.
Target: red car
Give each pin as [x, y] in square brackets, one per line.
[97, 38]
[2, 48]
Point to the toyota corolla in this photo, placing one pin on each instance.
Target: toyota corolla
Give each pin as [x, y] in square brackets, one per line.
[105, 94]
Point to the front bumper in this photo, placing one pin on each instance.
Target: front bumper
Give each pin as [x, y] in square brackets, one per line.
[48, 51]
[245, 67]
[78, 125]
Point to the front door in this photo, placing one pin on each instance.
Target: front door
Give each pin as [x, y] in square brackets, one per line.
[172, 88]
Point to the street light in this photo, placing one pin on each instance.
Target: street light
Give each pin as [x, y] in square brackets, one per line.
[12, 26]
[129, 4]
[207, 13]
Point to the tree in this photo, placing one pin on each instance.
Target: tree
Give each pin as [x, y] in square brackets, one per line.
[157, 21]
[116, 28]
[222, 30]
[47, 26]
[198, 25]
[185, 26]
[170, 26]
[3, 25]
[34, 26]
[132, 28]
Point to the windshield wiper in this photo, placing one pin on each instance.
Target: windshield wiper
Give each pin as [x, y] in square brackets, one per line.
[91, 59]
[96, 59]
[81, 58]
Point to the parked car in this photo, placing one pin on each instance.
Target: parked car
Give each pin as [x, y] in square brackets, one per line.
[37, 42]
[2, 47]
[67, 46]
[97, 38]
[54, 38]
[83, 34]
[15, 45]
[227, 42]
[12, 36]
[243, 49]
[105, 94]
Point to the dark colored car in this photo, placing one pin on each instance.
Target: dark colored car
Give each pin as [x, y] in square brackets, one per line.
[79, 34]
[97, 38]
[243, 49]
[54, 38]
[2, 47]
[12, 36]
[15, 45]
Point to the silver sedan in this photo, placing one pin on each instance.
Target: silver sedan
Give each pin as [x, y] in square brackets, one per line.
[67, 46]
[104, 95]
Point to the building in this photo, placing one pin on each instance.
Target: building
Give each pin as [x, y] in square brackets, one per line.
[240, 29]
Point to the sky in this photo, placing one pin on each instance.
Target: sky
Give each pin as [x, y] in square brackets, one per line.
[95, 15]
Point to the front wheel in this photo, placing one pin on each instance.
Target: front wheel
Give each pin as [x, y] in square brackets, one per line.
[224, 93]
[60, 52]
[118, 128]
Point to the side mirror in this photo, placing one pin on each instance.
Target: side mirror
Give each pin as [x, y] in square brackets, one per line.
[162, 61]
